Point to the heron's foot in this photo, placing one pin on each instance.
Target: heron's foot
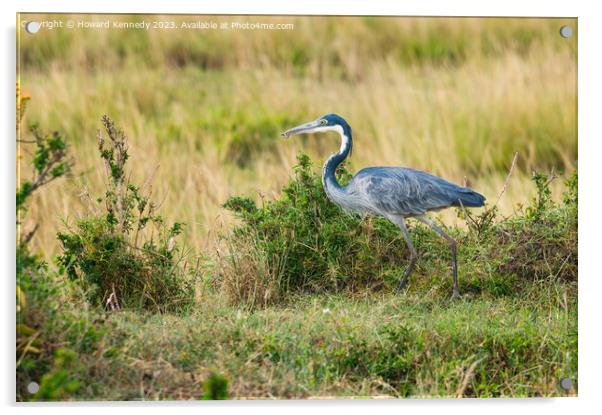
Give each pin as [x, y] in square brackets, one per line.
[456, 295]
[402, 285]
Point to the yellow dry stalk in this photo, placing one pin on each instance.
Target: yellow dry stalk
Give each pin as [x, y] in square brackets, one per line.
[21, 299]
[22, 99]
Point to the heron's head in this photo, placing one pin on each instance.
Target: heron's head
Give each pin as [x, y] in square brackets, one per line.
[329, 122]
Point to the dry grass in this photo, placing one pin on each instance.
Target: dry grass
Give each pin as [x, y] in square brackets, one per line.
[209, 117]
[247, 278]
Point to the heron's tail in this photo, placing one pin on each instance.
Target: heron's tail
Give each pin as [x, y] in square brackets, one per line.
[470, 198]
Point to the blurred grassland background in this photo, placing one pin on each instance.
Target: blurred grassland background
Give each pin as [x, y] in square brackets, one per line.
[453, 96]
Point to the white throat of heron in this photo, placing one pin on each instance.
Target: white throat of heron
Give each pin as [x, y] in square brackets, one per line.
[338, 129]
[331, 186]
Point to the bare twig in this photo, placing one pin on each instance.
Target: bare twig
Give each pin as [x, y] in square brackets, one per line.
[27, 347]
[507, 181]
[112, 300]
[467, 215]
[27, 237]
[150, 177]
[467, 378]
[553, 176]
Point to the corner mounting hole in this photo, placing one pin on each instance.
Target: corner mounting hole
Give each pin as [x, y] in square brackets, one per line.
[566, 384]
[32, 27]
[566, 31]
[33, 387]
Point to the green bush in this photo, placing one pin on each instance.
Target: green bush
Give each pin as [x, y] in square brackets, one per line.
[543, 241]
[302, 242]
[36, 293]
[59, 383]
[110, 253]
[215, 387]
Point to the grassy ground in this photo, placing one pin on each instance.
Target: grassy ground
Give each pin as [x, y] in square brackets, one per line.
[456, 97]
[338, 346]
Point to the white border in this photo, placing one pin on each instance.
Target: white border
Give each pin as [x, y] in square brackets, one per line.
[336, 7]
[589, 152]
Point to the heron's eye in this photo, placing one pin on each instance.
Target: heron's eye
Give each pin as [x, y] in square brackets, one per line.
[323, 122]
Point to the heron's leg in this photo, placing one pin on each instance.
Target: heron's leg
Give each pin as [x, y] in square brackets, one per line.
[400, 222]
[452, 245]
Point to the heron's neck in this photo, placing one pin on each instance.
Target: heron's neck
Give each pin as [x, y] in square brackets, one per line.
[331, 186]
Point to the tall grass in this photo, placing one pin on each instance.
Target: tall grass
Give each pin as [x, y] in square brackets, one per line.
[456, 97]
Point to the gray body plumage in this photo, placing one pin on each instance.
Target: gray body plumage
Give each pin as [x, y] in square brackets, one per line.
[383, 191]
[395, 193]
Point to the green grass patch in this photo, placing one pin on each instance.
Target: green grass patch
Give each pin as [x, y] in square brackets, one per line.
[324, 345]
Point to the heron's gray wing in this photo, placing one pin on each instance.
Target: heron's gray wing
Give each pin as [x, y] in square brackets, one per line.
[405, 191]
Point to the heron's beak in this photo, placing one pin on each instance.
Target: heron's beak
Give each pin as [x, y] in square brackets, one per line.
[304, 128]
